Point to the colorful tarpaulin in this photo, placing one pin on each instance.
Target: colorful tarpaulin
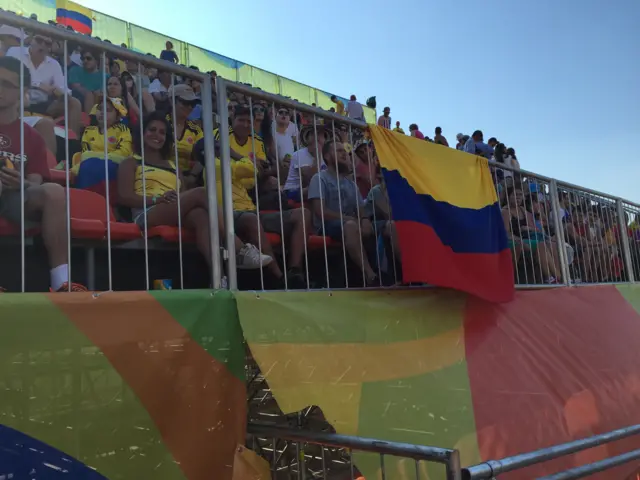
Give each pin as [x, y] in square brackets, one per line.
[133, 385]
[447, 216]
[76, 16]
[445, 369]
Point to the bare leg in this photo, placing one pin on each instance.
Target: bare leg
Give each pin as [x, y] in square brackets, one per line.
[353, 243]
[251, 230]
[45, 127]
[47, 202]
[301, 224]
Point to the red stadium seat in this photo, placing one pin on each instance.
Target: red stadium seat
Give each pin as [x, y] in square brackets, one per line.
[57, 176]
[8, 229]
[88, 214]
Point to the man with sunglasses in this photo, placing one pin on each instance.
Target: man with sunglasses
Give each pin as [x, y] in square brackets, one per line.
[44, 203]
[86, 81]
[286, 136]
[46, 95]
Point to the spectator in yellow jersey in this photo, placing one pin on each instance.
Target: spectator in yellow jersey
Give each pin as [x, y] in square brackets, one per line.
[158, 193]
[187, 132]
[398, 128]
[119, 140]
[247, 165]
[339, 105]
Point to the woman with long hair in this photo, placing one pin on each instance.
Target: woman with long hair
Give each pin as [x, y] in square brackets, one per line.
[164, 187]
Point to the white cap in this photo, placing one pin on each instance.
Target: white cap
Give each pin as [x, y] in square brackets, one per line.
[459, 136]
[8, 30]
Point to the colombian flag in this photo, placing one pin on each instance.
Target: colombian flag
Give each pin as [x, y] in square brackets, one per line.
[77, 16]
[447, 216]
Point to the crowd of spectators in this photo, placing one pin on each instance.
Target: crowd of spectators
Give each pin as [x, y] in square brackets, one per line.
[293, 175]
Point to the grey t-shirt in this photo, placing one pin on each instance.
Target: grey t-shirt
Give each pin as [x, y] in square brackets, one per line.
[334, 193]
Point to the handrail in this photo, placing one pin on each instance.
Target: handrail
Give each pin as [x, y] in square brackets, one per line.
[492, 468]
[595, 467]
[416, 452]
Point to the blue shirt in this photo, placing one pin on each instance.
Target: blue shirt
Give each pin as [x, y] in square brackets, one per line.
[478, 148]
[169, 56]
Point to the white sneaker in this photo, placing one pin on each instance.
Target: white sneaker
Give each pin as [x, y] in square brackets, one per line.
[250, 258]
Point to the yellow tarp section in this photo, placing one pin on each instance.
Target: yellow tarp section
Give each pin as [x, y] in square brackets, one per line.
[110, 28]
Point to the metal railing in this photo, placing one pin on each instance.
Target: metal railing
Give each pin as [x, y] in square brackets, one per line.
[493, 468]
[334, 453]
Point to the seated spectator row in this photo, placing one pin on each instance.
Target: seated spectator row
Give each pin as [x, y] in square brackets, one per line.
[308, 207]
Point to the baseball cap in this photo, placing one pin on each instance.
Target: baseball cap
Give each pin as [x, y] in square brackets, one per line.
[9, 31]
[183, 92]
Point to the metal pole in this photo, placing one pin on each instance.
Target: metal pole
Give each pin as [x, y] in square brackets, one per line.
[591, 468]
[178, 168]
[225, 170]
[67, 170]
[454, 471]
[23, 272]
[557, 221]
[105, 134]
[492, 468]
[212, 197]
[626, 248]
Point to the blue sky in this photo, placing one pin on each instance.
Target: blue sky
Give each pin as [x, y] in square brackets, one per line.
[557, 80]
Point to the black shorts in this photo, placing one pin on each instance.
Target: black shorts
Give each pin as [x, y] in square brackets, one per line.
[271, 221]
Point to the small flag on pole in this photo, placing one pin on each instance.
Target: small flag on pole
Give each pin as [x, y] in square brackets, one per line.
[76, 16]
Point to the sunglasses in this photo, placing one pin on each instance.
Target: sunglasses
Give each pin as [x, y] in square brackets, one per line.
[87, 58]
[258, 109]
[187, 103]
[283, 112]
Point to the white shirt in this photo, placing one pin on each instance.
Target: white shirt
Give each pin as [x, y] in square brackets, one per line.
[48, 73]
[157, 87]
[301, 158]
[285, 142]
[355, 110]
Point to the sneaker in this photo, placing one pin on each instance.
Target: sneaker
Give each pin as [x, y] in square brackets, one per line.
[296, 279]
[2, 289]
[250, 258]
[75, 287]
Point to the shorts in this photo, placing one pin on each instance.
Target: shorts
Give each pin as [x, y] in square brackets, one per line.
[32, 120]
[333, 228]
[11, 211]
[138, 215]
[43, 107]
[293, 195]
[271, 221]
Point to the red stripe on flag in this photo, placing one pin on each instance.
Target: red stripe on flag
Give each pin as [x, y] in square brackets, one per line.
[426, 259]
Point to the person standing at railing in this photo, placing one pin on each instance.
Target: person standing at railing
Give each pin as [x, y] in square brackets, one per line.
[157, 193]
[46, 92]
[44, 203]
[439, 138]
[335, 199]
[476, 146]
[354, 109]
[385, 120]
[168, 54]
[339, 105]
[398, 128]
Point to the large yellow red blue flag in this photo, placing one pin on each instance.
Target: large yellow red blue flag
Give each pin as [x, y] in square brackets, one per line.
[76, 16]
[445, 208]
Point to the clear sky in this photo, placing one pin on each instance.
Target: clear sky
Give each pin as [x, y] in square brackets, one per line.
[558, 80]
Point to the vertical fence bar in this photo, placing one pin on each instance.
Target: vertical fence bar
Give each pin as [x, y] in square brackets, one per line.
[145, 228]
[353, 168]
[559, 227]
[320, 157]
[383, 474]
[67, 170]
[375, 217]
[306, 237]
[453, 468]
[626, 248]
[105, 70]
[174, 121]
[282, 235]
[338, 179]
[23, 271]
[225, 171]
[212, 197]
[256, 180]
